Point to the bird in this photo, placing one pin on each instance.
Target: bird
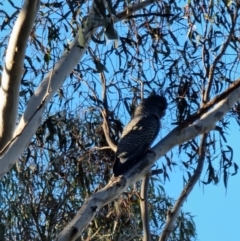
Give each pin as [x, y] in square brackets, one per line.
[139, 134]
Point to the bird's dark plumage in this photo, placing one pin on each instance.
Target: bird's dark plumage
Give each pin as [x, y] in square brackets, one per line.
[139, 133]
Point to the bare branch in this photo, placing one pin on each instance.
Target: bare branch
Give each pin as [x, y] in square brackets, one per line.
[13, 69]
[144, 209]
[101, 148]
[219, 56]
[104, 91]
[104, 112]
[106, 132]
[173, 214]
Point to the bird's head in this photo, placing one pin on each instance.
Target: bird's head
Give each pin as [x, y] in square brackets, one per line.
[154, 104]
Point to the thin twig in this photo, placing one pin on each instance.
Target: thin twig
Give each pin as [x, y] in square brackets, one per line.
[104, 91]
[219, 56]
[144, 190]
[173, 214]
[101, 148]
[107, 133]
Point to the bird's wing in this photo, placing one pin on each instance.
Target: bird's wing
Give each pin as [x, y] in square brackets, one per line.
[137, 137]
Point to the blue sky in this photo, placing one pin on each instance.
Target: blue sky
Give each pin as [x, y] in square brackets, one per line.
[216, 210]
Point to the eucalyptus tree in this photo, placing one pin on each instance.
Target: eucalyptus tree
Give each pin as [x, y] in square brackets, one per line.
[72, 74]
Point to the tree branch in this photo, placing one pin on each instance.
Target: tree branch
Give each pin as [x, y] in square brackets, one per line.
[31, 119]
[13, 69]
[131, 9]
[219, 56]
[144, 209]
[104, 112]
[117, 185]
[32, 116]
[144, 193]
[106, 131]
[104, 91]
[205, 108]
[173, 214]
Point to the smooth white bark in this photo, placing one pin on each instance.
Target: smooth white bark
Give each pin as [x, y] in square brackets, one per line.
[13, 69]
[37, 104]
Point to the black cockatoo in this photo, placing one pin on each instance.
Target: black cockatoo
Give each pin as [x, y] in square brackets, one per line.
[139, 133]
